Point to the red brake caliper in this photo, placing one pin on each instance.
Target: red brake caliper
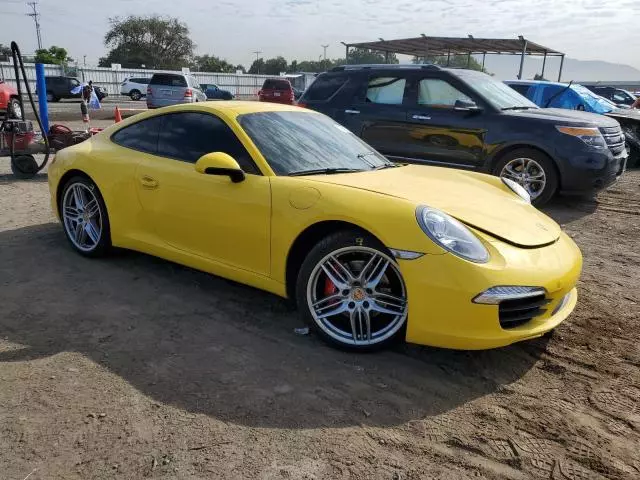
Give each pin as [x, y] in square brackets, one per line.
[329, 287]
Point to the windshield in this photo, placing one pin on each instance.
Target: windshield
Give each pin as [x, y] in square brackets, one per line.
[299, 141]
[497, 93]
[595, 102]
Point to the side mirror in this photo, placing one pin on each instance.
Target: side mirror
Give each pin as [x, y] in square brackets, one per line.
[220, 163]
[462, 106]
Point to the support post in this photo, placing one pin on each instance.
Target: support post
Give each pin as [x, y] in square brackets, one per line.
[544, 63]
[386, 57]
[468, 59]
[448, 57]
[484, 57]
[561, 65]
[346, 54]
[42, 98]
[524, 52]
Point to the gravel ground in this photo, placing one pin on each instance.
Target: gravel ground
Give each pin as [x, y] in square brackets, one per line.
[132, 367]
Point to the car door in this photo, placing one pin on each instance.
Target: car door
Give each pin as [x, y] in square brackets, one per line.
[206, 215]
[445, 124]
[377, 112]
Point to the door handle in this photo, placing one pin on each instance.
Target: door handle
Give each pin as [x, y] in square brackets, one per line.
[148, 182]
[421, 117]
[352, 112]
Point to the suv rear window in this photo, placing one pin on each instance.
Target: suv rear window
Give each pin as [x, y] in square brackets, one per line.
[325, 86]
[139, 80]
[168, 80]
[271, 84]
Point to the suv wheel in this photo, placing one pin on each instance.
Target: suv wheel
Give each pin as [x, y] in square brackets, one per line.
[533, 170]
[135, 95]
[51, 97]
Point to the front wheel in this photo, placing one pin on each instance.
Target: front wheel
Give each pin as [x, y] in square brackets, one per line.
[84, 217]
[352, 293]
[533, 170]
[135, 95]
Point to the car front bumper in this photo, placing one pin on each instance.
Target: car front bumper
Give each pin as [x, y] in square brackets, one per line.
[441, 288]
[591, 171]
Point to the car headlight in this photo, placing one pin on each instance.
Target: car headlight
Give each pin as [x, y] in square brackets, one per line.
[451, 235]
[517, 189]
[590, 136]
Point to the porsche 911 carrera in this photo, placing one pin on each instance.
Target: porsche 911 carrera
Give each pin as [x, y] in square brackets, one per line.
[286, 200]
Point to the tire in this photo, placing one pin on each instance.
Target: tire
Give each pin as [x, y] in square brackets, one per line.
[84, 217]
[377, 299]
[542, 173]
[24, 166]
[14, 109]
[135, 95]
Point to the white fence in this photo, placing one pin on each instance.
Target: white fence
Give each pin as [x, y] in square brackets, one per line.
[240, 85]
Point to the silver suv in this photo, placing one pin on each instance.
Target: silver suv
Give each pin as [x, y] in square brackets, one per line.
[173, 88]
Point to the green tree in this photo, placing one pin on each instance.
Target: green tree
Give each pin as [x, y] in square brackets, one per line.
[274, 66]
[211, 63]
[455, 61]
[241, 68]
[257, 66]
[5, 52]
[358, 56]
[153, 41]
[54, 56]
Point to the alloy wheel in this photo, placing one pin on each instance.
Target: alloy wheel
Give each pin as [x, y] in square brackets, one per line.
[528, 173]
[357, 296]
[82, 217]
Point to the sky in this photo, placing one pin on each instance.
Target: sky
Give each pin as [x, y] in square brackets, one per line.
[296, 29]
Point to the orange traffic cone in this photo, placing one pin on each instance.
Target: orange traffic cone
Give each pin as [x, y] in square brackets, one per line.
[116, 115]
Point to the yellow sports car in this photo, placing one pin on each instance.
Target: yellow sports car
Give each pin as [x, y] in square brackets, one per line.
[286, 200]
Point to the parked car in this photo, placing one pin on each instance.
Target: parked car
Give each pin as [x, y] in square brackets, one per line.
[615, 95]
[60, 87]
[101, 92]
[577, 97]
[466, 119]
[173, 88]
[286, 200]
[9, 102]
[277, 90]
[213, 92]
[134, 87]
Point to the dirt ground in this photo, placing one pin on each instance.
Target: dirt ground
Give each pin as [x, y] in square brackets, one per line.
[132, 367]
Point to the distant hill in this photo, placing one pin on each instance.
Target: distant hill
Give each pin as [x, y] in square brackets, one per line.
[506, 67]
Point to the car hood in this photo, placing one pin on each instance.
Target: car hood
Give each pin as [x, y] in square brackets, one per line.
[478, 200]
[629, 114]
[567, 116]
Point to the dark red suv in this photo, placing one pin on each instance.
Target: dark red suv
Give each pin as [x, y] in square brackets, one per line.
[277, 90]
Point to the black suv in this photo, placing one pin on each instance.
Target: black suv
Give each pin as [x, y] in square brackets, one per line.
[613, 94]
[466, 119]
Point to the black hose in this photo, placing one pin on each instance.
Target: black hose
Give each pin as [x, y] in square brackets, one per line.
[17, 57]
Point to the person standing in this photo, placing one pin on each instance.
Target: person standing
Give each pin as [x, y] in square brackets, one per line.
[85, 96]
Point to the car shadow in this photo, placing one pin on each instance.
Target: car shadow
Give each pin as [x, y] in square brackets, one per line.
[566, 209]
[211, 346]
[11, 178]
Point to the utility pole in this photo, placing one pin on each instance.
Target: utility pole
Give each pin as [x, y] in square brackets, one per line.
[84, 60]
[257, 52]
[325, 51]
[36, 18]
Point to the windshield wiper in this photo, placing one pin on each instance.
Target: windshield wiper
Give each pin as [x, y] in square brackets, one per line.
[517, 108]
[323, 171]
[387, 165]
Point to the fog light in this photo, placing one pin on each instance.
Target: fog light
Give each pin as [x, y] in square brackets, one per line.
[495, 295]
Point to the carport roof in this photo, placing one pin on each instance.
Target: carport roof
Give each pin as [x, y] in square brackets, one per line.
[424, 45]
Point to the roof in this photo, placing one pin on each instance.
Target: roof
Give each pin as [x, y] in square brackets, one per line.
[531, 82]
[424, 45]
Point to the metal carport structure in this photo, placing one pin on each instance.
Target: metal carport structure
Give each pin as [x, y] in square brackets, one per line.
[423, 46]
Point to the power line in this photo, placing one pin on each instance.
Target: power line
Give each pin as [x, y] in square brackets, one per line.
[36, 18]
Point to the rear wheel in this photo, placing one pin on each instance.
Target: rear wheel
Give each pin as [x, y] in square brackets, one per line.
[15, 109]
[533, 170]
[352, 293]
[135, 95]
[84, 217]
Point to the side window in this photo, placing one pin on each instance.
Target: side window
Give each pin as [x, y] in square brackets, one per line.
[141, 136]
[619, 97]
[520, 88]
[325, 86]
[386, 90]
[187, 136]
[437, 93]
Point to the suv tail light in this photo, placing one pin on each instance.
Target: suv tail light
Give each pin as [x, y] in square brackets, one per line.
[148, 91]
[188, 92]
